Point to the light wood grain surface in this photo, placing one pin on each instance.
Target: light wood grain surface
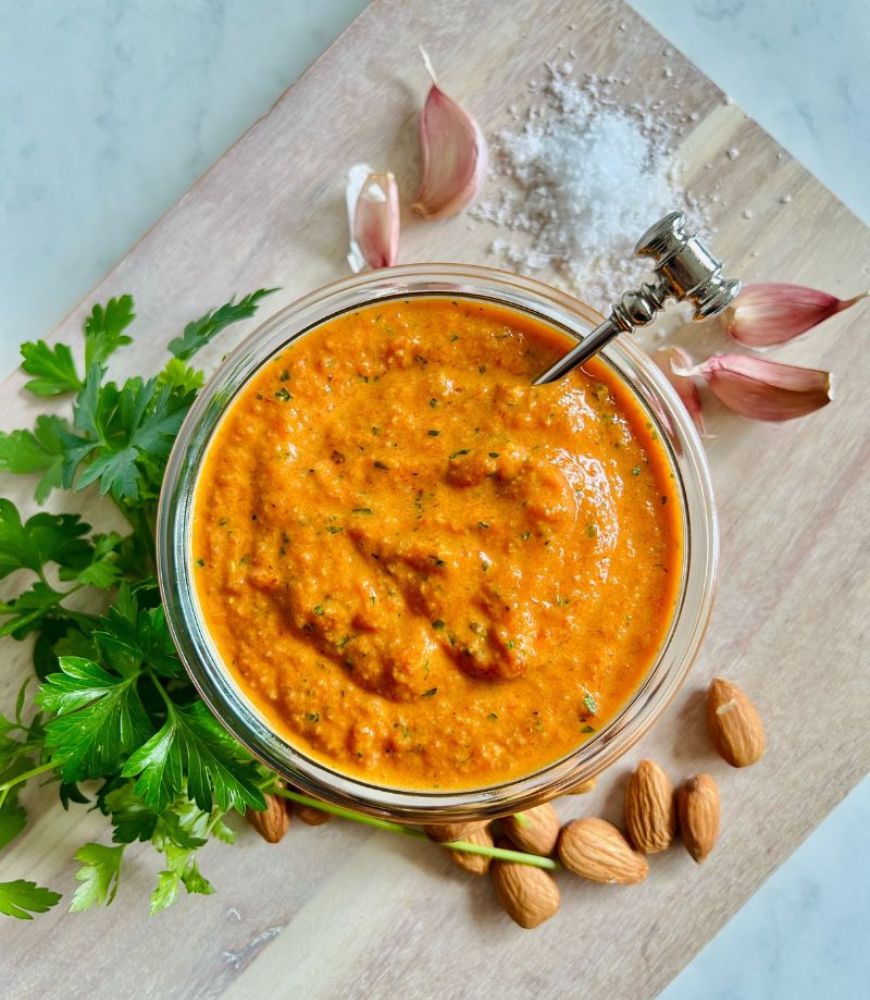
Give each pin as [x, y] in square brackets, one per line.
[339, 911]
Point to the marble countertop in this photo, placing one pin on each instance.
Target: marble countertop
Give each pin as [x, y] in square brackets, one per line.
[109, 111]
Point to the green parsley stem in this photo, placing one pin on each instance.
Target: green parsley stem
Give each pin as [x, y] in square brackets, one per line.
[502, 853]
[161, 690]
[25, 776]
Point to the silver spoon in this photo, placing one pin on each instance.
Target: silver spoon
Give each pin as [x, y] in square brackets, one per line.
[684, 269]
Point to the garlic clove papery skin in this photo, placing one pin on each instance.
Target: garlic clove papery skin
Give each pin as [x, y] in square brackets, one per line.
[774, 313]
[454, 154]
[376, 220]
[765, 390]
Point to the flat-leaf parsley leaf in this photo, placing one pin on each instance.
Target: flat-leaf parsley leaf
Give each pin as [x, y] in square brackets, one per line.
[115, 704]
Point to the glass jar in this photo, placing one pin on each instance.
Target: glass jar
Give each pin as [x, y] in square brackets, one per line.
[231, 706]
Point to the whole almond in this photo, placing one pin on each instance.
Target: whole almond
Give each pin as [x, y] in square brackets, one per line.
[529, 895]
[311, 816]
[272, 822]
[734, 723]
[583, 787]
[534, 830]
[650, 811]
[475, 833]
[442, 832]
[698, 802]
[596, 850]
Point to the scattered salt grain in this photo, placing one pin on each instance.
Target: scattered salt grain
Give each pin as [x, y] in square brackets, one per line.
[581, 180]
[785, 199]
[732, 153]
[747, 213]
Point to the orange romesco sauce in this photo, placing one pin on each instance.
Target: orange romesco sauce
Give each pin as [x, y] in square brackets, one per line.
[423, 571]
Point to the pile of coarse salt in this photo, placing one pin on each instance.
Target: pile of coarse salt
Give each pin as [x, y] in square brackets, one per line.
[584, 177]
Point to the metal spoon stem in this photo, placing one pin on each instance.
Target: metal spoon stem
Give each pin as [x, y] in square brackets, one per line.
[592, 344]
[684, 270]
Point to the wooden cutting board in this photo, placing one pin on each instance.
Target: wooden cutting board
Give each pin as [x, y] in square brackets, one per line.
[339, 911]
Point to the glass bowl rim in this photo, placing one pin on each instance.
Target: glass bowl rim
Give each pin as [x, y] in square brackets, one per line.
[237, 714]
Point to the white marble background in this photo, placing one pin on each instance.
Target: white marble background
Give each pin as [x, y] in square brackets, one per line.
[109, 109]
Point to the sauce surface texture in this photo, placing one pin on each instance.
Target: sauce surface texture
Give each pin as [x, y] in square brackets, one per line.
[424, 572]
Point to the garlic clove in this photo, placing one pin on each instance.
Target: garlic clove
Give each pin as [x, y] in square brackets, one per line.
[676, 364]
[376, 220]
[767, 314]
[765, 390]
[454, 155]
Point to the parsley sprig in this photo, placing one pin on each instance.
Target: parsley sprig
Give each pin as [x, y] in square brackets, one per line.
[114, 708]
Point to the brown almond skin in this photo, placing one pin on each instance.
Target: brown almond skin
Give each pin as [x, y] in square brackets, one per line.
[596, 850]
[442, 832]
[734, 723]
[529, 895]
[475, 833]
[699, 807]
[534, 830]
[271, 823]
[650, 810]
[311, 816]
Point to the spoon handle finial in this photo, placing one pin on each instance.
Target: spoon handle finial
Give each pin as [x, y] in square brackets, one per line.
[684, 270]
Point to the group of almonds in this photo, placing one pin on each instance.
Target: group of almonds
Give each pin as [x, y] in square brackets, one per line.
[590, 847]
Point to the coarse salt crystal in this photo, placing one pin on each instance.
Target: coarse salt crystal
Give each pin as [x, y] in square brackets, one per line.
[582, 179]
